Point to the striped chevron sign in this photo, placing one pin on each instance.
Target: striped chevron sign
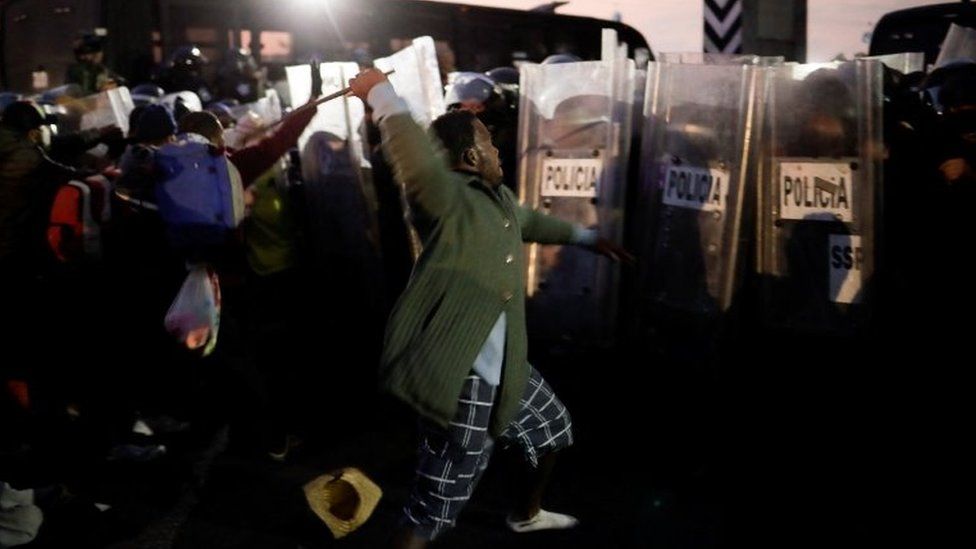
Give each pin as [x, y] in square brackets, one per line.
[723, 26]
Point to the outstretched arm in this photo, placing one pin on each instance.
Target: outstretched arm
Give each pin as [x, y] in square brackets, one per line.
[545, 229]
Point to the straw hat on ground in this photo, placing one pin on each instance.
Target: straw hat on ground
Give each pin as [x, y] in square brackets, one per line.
[343, 499]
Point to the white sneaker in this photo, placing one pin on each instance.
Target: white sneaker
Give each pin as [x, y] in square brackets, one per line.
[544, 520]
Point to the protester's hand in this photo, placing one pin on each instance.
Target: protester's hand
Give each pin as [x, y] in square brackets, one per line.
[365, 81]
[617, 253]
[316, 79]
[954, 169]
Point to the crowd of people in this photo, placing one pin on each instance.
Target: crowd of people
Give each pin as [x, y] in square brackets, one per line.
[303, 263]
[93, 374]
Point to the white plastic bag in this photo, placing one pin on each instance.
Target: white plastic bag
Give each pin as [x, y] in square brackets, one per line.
[194, 316]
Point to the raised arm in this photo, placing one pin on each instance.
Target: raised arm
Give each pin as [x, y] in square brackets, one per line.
[416, 160]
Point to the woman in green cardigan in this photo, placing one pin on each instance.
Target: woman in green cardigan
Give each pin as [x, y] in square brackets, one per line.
[455, 345]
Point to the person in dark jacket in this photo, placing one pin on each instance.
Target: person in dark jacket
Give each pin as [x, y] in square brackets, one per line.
[90, 72]
[29, 180]
[268, 223]
[184, 72]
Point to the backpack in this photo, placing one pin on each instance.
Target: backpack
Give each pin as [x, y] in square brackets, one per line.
[74, 231]
[199, 193]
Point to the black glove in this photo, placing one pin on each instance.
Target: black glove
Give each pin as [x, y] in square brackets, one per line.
[316, 79]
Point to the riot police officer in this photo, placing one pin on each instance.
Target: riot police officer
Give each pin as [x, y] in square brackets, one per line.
[184, 72]
[486, 99]
[239, 77]
[89, 71]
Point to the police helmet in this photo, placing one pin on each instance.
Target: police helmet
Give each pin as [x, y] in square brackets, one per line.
[558, 58]
[470, 87]
[88, 43]
[146, 94]
[504, 76]
[188, 58]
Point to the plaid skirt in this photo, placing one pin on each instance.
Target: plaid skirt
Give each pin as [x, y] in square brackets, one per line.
[451, 461]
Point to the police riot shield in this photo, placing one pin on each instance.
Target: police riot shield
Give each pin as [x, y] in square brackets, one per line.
[703, 58]
[959, 45]
[574, 138]
[905, 63]
[260, 114]
[108, 108]
[337, 191]
[342, 117]
[820, 175]
[268, 108]
[693, 202]
[338, 123]
[417, 79]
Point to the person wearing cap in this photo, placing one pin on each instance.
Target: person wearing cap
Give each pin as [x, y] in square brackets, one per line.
[150, 127]
[28, 180]
[89, 71]
[456, 345]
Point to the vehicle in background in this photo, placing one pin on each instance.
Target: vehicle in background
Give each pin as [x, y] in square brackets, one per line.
[920, 29]
[140, 34]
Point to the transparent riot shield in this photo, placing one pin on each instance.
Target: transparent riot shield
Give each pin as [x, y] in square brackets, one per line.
[693, 208]
[417, 79]
[701, 58]
[337, 190]
[905, 63]
[108, 108]
[820, 177]
[337, 121]
[268, 108]
[574, 137]
[342, 117]
[959, 45]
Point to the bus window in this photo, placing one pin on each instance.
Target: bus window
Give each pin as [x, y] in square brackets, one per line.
[275, 46]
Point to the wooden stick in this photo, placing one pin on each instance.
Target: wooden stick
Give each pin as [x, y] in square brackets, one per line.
[341, 93]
